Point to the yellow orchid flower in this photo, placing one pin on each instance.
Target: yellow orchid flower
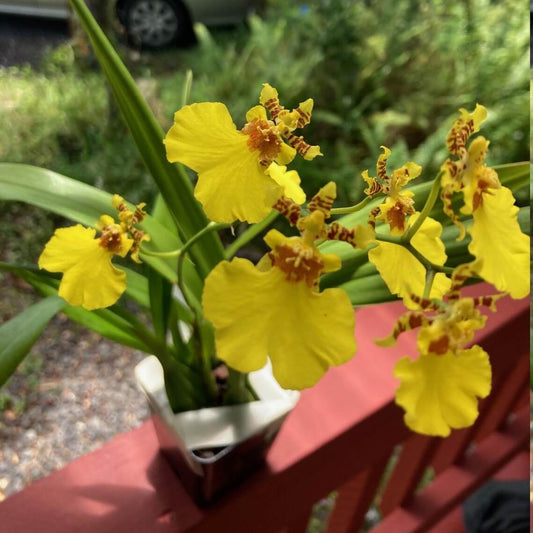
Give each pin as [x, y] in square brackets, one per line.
[89, 279]
[128, 220]
[401, 270]
[439, 390]
[398, 204]
[275, 310]
[497, 241]
[288, 180]
[360, 236]
[233, 182]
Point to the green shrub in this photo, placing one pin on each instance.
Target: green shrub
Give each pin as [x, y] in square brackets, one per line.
[59, 117]
[379, 74]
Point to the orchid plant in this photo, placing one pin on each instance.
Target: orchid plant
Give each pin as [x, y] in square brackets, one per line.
[211, 309]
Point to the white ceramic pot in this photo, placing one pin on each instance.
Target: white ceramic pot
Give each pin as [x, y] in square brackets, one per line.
[214, 448]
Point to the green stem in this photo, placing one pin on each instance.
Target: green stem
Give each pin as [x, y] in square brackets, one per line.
[212, 226]
[139, 329]
[430, 276]
[428, 206]
[183, 386]
[238, 391]
[426, 262]
[408, 246]
[177, 339]
[390, 238]
[250, 234]
[353, 208]
[173, 253]
[206, 352]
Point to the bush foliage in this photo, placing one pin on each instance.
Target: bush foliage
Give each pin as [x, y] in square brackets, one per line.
[379, 74]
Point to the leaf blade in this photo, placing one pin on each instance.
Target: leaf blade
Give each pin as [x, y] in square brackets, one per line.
[148, 136]
[18, 335]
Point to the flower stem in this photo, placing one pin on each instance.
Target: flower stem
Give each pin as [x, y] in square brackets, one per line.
[428, 265]
[426, 262]
[430, 276]
[238, 391]
[206, 352]
[212, 226]
[250, 234]
[428, 206]
[173, 253]
[390, 238]
[181, 381]
[353, 208]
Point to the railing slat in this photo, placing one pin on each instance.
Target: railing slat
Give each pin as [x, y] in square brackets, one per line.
[508, 382]
[415, 457]
[354, 498]
[494, 412]
[298, 524]
[127, 486]
[511, 389]
[453, 485]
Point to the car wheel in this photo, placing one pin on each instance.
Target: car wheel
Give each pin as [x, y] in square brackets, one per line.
[155, 23]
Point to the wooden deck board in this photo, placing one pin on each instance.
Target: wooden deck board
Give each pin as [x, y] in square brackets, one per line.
[126, 486]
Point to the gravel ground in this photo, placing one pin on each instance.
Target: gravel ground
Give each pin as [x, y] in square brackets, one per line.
[74, 392]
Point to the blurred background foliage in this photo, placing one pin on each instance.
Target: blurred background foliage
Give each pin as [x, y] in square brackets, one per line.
[380, 73]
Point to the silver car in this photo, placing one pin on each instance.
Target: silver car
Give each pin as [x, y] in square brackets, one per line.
[150, 23]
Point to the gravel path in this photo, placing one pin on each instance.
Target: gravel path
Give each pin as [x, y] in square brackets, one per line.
[74, 392]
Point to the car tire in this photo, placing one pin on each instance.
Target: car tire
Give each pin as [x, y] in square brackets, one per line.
[156, 24]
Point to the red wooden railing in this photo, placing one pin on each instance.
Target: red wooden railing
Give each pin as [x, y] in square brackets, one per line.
[341, 436]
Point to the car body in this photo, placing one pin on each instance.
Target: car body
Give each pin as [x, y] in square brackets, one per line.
[150, 23]
[58, 9]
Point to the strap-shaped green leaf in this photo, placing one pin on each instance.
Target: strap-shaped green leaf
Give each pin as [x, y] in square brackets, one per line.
[19, 334]
[160, 302]
[148, 135]
[105, 322]
[84, 204]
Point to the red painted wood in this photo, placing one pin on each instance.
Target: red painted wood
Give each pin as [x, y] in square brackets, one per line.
[298, 524]
[518, 468]
[458, 481]
[493, 413]
[110, 490]
[524, 398]
[415, 457]
[505, 386]
[511, 389]
[354, 498]
[340, 427]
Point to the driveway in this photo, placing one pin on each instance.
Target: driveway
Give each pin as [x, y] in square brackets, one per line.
[25, 39]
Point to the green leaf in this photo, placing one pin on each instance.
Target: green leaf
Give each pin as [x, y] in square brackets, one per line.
[19, 334]
[161, 213]
[160, 302]
[85, 204]
[513, 175]
[171, 180]
[105, 322]
[367, 291]
[136, 287]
